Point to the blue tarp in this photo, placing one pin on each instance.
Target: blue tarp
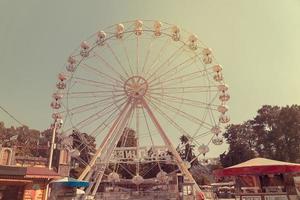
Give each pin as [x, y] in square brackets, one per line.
[71, 182]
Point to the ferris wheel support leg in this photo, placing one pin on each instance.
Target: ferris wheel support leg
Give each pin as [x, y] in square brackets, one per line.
[105, 142]
[170, 146]
[111, 147]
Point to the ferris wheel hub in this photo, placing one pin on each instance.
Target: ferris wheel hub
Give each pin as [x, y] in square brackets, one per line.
[136, 87]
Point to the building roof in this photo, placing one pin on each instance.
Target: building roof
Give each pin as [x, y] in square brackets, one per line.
[28, 172]
[40, 172]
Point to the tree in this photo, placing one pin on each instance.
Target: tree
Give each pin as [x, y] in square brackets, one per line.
[186, 150]
[242, 142]
[86, 145]
[278, 132]
[25, 140]
[273, 133]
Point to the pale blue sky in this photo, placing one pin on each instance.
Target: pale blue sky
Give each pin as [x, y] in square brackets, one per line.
[256, 41]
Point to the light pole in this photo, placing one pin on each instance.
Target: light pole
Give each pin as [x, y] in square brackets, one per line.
[52, 143]
[56, 124]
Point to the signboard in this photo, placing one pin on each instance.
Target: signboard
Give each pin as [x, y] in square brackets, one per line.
[251, 197]
[142, 153]
[276, 197]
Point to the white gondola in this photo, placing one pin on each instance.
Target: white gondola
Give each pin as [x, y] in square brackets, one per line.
[101, 36]
[120, 31]
[61, 85]
[113, 177]
[56, 116]
[223, 87]
[223, 108]
[207, 59]
[207, 51]
[138, 27]
[137, 180]
[218, 77]
[84, 51]
[175, 33]
[224, 97]
[203, 149]
[162, 177]
[57, 96]
[217, 68]
[193, 39]
[217, 141]
[224, 119]
[55, 105]
[216, 130]
[157, 28]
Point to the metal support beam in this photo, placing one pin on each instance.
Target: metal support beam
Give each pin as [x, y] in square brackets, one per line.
[104, 142]
[112, 145]
[170, 146]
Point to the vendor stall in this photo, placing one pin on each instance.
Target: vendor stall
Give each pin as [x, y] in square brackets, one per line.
[263, 179]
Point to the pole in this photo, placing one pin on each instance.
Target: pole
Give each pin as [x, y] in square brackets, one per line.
[52, 146]
[50, 157]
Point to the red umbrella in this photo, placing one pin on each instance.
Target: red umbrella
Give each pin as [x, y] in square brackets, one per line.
[258, 166]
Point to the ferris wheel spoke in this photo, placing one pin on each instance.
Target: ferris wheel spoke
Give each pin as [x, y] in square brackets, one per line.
[164, 46]
[72, 109]
[167, 117]
[111, 93]
[88, 120]
[172, 122]
[127, 56]
[150, 135]
[183, 78]
[91, 108]
[187, 89]
[168, 64]
[137, 55]
[147, 126]
[186, 62]
[180, 100]
[195, 138]
[102, 74]
[183, 114]
[191, 76]
[91, 95]
[205, 115]
[106, 122]
[169, 60]
[147, 55]
[117, 59]
[213, 121]
[93, 85]
[109, 66]
[102, 84]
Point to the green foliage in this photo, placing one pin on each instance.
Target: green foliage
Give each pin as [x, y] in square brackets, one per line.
[186, 150]
[24, 139]
[274, 133]
[86, 145]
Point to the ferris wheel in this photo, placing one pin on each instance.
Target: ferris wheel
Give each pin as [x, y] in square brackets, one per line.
[141, 85]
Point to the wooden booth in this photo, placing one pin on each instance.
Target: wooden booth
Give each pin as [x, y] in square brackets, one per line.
[24, 183]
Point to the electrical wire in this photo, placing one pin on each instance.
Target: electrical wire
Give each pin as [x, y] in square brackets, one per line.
[11, 116]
